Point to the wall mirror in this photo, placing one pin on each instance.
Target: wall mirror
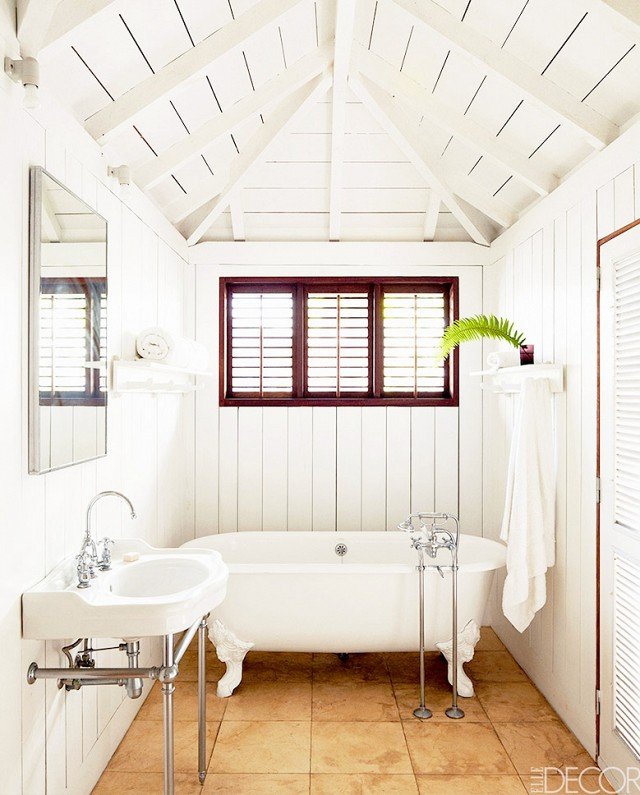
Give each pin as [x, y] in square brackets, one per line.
[68, 308]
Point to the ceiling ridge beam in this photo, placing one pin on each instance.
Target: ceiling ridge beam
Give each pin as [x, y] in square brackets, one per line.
[257, 148]
[274, 90]
[624, 15]
[191, 63]
[397, 126]
[345, 20]
[457, 124]
[593, 127]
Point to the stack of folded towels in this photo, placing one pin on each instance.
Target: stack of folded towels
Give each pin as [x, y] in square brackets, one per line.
[158, 345]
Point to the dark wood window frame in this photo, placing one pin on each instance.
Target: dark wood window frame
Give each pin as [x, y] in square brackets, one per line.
[93, 288]
[299, 287]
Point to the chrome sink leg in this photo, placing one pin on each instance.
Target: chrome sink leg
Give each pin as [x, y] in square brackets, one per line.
[422, 712]
[167, 712]
[202, 700]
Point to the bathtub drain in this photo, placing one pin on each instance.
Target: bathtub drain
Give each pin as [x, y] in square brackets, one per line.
[341, 550]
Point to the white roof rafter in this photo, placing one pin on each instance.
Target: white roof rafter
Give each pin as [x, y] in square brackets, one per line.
[398, 127]
[275, 90]
[345, 19]
[33, 20]
[69, 15]
[193, 62]
[431, 216]
[284, 116]
[457, 124]
[597, 130]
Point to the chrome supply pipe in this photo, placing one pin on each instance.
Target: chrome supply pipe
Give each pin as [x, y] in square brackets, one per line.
[183, 644]
[454, 710]
[34, 673]
[422, 711]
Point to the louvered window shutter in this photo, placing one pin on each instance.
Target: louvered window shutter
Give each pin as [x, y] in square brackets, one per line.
[338, 343]
[627, 387]
[626, 652]
[413, 323]
[73, 335]
[261, 344]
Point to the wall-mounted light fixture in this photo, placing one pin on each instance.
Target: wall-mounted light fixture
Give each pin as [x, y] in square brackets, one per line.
[121, 173]
[27, 72]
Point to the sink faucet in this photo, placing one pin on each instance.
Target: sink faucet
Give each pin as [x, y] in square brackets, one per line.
[89, 549]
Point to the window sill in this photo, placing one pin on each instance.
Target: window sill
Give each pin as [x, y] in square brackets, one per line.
[340, 402]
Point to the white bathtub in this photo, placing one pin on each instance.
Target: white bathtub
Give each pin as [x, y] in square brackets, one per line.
[290, 591]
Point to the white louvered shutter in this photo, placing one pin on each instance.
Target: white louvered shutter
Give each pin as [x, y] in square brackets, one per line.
[413, 324]
[261, 343]
[627, 394]
[338, 331]
[626, 652]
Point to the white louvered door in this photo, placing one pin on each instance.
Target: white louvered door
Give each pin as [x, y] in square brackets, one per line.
[620, 505]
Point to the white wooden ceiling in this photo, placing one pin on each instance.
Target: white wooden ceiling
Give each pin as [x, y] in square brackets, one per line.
[355, 120]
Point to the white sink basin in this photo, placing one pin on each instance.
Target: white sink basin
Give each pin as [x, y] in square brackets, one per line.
[162, 592]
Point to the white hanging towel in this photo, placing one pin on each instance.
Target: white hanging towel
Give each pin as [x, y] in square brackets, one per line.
[528, 525]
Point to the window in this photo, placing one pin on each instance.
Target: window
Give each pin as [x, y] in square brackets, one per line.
[73, 339]
[322, 341]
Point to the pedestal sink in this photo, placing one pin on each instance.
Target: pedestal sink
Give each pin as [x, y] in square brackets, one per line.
[147, 592]
[161, 592]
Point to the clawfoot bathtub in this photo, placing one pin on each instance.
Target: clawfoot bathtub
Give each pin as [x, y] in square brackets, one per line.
[343, 592]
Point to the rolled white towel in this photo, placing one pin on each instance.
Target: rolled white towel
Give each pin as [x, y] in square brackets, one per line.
[159, 345]
[507, 358]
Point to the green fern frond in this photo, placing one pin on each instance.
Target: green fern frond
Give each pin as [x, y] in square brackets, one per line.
[474, 328]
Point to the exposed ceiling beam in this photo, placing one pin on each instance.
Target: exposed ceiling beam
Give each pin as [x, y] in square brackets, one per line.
[402, 132]
[455, 123]
[69, 15]
[180, 208]
[284, 116]
[34, 18]
[579, 117]
[431, 216]
[623, 14]
[275, 90]
[237, 215]
[193, 62]
[345, 19]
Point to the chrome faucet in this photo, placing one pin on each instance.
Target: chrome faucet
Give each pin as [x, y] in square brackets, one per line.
[432, 536]
[89, 549]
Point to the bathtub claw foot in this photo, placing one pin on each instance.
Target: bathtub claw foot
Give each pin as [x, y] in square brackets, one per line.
[467, 640]
[231, 651]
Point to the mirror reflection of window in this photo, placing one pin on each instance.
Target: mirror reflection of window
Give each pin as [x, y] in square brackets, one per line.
[73, 339]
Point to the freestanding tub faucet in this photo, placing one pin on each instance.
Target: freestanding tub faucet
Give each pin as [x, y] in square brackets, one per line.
[89, 547]
[432, 538]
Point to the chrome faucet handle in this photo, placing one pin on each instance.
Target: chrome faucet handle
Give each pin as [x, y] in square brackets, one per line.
[83, 569]
[104, 564]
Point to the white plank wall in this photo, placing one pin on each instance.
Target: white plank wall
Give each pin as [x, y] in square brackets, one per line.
[328, 469]
[51, 741]
[546, 283]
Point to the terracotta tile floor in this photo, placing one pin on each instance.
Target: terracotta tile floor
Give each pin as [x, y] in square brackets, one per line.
[302, 723]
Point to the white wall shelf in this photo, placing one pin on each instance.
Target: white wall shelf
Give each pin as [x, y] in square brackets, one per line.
[147, 377]
[508, 380]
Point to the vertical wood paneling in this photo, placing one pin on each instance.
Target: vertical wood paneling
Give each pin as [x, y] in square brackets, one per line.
[275, 442]
[300, 469]
[324, 468]
[228, 478]
[250, 446]
[374, 469]
[398, 465]
[423, 459]
[446, 482]
[349, 469]
[623, 190]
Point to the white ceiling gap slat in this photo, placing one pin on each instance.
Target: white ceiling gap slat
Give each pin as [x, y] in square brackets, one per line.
[382, 108]
[589, 124]
[197, 224]
[193, 62]
[274, 90]
[345, 21]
